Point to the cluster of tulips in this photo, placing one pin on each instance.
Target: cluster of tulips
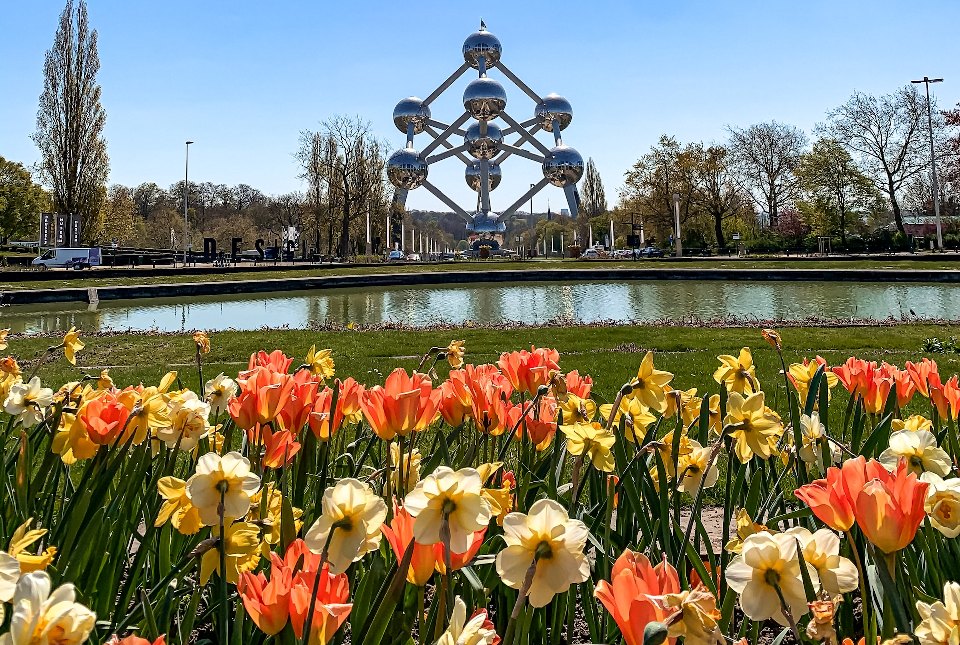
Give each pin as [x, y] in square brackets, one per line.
[466, 504]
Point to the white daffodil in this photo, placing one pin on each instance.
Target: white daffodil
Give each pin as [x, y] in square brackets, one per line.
[919, 449]
[28, 401]
[821, 550]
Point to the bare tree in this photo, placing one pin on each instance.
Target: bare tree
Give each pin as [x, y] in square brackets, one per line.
[766, 155]
[886, 133]
[349, 162]
[70, 121]
[716, 192]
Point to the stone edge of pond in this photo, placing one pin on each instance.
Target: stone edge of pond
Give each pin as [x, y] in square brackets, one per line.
[172, 290]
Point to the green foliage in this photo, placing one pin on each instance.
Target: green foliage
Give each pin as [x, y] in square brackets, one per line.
[21, 202]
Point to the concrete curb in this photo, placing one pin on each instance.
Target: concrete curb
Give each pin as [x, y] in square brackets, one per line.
[41, 296]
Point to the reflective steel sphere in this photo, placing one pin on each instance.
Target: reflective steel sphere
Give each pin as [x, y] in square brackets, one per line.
[486, 223]
[472, 175]
[406, 169]
[482, 44]
[480, 146]
[484, 99]
[553, 107]
[411, 110]
[563, 167]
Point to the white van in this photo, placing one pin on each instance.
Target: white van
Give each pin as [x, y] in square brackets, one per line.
[76, 258]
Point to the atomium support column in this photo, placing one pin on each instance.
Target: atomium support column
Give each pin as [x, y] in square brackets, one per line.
[483, 149]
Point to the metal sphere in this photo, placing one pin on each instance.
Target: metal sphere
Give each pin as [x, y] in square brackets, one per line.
[554, 107]
[563, 166]
[486, 223]
[473, 176]
[483, 146]
[411, 110]
[482, 44]
[484, 99]
[406, 169]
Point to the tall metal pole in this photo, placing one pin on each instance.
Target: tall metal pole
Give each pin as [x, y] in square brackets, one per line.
[186, 192]
[676, 221]
[933, 161]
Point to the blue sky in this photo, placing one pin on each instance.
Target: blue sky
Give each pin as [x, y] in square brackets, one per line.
[243, 78]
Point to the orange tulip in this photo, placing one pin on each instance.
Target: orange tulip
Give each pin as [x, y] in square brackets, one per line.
[330, 609]
[459, 560]
[299, 405]
[267, 603]
[631, 594]
[297, 558]
[280, 447]
[263, 395]
[832, 499]
[889, 507]
[921, 374]
[275, 361]
[403, 405]
[945, 396]
[135, 640]
[577, 385]
[877, 390]
[489, 409]
[104, 418]
[400, 534]
[455, 400]
[854, 374]
[527, 371]
[905, 387]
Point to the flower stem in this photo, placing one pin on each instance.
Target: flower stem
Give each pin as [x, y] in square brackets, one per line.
[518, 606]
[447, 562]
[786, 612]
[222, 548]
[308, 622]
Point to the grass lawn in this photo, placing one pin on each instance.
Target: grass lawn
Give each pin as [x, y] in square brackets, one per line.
[610, 354]
[157, 276]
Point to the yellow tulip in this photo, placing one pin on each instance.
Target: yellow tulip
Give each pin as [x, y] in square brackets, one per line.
[349, 523]
[548, 539]
[454, 494]
[592, 440]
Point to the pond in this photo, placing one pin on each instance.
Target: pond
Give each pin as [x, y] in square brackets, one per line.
[491, 302]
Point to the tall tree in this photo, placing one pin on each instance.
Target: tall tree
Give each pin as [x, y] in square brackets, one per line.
[715, 189]
[70, 122]
[21, 202]
[593, 199]
[649, 187]
[766, 155]
[886, 133]
[121, 223]
[834, 184]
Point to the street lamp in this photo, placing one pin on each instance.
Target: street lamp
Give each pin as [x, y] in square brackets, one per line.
[933, 160]
[186, 183]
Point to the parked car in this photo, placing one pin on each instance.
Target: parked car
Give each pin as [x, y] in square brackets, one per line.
[413, 257]
[396, 256]
[590, 254]
[651, 252]
[76, 258]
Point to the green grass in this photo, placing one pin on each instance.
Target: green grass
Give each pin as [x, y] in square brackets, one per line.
[157, 276]
[610, 354]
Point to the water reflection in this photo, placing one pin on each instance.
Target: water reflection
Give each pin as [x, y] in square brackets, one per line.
[528, 302]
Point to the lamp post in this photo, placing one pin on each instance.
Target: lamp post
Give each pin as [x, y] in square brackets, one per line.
[186, 192]
[676, 224]
[933, 161]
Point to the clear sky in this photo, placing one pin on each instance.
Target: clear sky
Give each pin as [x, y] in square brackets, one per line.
[243, 78]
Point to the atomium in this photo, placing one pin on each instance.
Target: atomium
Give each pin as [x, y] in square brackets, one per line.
[485, 147]
[473, 173]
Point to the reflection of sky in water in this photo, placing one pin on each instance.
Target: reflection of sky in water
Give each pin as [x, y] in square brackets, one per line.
[525, 302]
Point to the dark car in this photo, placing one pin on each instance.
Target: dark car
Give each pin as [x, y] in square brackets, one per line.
[650, 252]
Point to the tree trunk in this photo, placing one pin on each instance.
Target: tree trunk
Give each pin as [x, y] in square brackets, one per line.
[345, 230]
[718, 227]
[895, 205]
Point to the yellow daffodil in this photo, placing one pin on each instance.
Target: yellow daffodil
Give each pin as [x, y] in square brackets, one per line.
[177, 507]
[29, 402]
[149, 411]
[105, 382]
[821, 550]
[72, 345]
[7, 381]
[188, 421]
[456, 494]
[320, 363]
[4, 333]
[46, 616]
[815, 440]
[754, 428]
[268, 513]
[455, 351]
[202, 341]
[693, 470]
[592, 440]
[649, 384]
[745, 528]
[919, 449]
[477, 631]
[686, 403]
[695, 617]
[802, 373]
[767, 568]
[548, 537]
[685, 445]
[354, 514]
[242, 541]
[71, 441]
[913, 423]
[942, 503]
[737, 373]
[577, 410]
[218, 391]
[23, 538]
[406, 469]
[225, 480]
[716, 419]
[822, 614]
[10, 367]
[638, 417]
[940, 621]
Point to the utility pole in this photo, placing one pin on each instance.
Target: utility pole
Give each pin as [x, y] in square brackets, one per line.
[933, 161]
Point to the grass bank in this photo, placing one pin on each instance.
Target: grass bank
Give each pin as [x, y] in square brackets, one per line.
[85, 279]
[610, 354]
